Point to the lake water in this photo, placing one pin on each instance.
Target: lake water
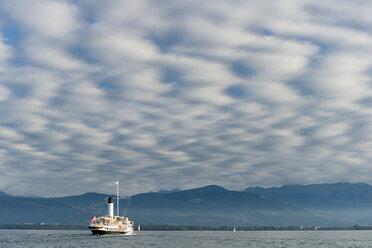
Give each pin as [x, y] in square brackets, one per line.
[47, 238]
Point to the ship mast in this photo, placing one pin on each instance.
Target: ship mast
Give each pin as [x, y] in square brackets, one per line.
[117, 198]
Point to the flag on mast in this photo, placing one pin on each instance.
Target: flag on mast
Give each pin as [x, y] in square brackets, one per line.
[94, 218]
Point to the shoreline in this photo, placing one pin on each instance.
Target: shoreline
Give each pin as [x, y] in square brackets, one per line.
[146, 227]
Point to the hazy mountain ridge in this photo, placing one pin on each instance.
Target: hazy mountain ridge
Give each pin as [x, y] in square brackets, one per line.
[322, 196]
[40, 210]
[4, 194]
[90, 202]
[350, 202]
[321, 204]
[212, 205]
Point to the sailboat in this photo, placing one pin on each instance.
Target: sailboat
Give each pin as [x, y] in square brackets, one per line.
[110, 223]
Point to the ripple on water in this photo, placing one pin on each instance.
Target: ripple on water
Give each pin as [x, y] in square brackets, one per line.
[205, 239]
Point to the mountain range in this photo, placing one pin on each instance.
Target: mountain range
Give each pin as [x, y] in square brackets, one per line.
[347, 202]
[317, 204]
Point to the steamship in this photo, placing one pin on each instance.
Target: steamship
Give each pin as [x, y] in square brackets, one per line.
[110, 223]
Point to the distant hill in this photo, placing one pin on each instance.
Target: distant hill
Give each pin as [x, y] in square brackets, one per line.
[63, 210]
[321, 196]
[90, 202]
[215, 206]
[15, 210]
[4, 194]
[351, 202]
[318, 204]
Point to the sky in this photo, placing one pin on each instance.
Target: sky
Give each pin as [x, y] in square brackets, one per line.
[183, 94]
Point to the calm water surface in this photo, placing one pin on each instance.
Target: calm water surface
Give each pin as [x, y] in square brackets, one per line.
[47, 238]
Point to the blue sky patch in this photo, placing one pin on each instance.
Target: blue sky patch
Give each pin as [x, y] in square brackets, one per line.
[236, 91]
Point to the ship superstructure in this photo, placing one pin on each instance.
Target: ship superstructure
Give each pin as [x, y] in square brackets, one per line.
[110, 223]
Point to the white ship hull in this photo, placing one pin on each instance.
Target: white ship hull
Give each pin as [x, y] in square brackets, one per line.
[111, 225]
[108, 230]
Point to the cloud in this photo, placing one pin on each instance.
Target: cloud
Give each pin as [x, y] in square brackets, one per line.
[46, 19]
[182, 94]
[4, 93]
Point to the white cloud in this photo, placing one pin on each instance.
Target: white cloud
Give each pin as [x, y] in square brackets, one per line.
[49, 19]
[4, 93]
[5, 52]
[119, 46]
[47, 55]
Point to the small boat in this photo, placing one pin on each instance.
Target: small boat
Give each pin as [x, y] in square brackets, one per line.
[234, 230]
[139, 228]
[110, 224]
